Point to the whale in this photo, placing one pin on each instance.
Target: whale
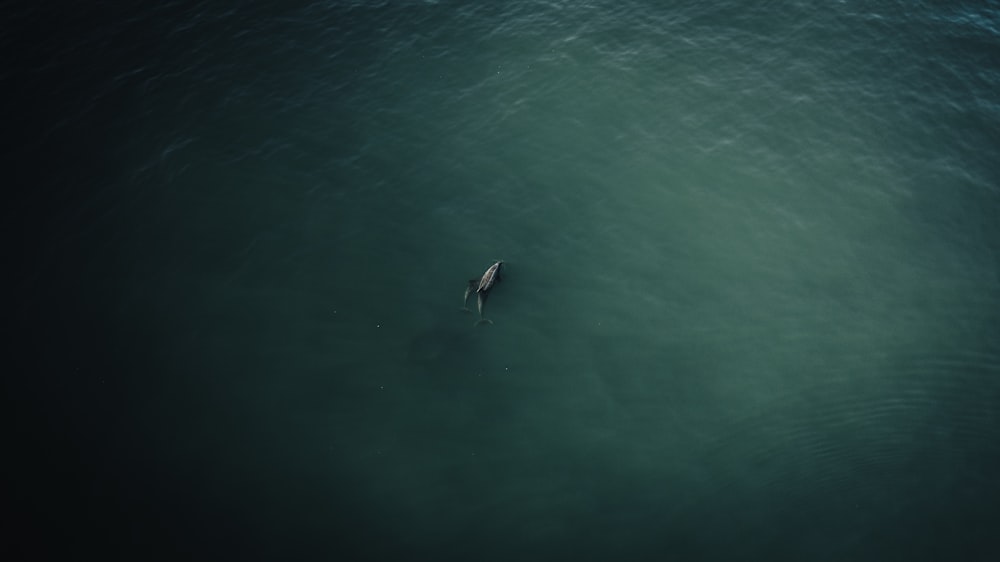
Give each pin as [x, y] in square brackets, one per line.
[481, 287]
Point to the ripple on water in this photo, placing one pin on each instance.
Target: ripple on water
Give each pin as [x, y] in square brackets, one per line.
[928, 412]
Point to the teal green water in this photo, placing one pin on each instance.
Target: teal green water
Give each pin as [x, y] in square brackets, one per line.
[750, 308]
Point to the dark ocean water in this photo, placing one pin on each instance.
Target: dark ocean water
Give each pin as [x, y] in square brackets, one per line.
[751, 308]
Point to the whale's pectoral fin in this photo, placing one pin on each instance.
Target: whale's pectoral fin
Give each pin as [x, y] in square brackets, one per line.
[471, 288]
[482, 304]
